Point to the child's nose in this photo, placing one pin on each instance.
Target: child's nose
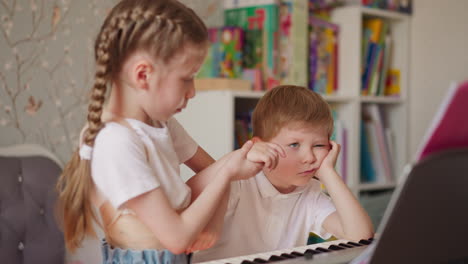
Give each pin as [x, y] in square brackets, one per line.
[191, 92]
[309, 156]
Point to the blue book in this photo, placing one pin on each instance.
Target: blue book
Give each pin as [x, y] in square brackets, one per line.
[367, 169]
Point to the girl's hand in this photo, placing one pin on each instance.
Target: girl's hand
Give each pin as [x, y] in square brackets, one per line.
[329, 161]
[238, 166]
[265, 153]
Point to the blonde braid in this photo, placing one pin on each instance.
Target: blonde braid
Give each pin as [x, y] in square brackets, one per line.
[99, 90]
[75, 184]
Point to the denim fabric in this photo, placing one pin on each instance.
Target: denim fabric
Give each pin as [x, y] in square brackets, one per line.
[113, 255]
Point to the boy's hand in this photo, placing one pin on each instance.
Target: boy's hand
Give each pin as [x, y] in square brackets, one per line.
[265, 153]
[329, 161]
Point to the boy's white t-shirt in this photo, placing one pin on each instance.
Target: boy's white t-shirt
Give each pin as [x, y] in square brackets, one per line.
[260, 219]
[129, 162]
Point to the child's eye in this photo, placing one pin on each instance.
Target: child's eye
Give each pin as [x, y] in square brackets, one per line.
[294, 145]
[320, 146]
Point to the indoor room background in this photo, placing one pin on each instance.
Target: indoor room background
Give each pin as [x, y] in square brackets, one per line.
[46, 68]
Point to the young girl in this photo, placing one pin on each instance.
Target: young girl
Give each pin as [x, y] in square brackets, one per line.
[127, 166]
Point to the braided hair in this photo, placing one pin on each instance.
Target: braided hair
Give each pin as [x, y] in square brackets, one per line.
[161, 28]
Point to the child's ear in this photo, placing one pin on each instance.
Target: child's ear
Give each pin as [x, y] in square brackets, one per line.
[256, 139]
[141, 74]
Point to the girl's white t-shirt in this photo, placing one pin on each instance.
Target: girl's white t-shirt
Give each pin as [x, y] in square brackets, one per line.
[129, 162]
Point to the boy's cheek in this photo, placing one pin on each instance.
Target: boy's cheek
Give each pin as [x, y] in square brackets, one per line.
[286, 164]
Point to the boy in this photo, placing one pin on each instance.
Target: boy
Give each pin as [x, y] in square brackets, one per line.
[278, 208]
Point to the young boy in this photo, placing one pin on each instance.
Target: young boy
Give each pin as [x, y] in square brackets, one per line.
[278, 208]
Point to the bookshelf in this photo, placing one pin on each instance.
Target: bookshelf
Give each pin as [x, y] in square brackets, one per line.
[394, 109]
[210, 116]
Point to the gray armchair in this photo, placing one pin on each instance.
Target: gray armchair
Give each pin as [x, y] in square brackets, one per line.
[28, 229]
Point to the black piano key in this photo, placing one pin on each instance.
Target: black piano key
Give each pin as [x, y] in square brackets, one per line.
[308, 254]
[322, 249]
[285, 255]
[276, 258]
[311, 252]
[335, 247]
[345, 245]
[364, 241]
[260, 260]
[297, 254]
[354, 244]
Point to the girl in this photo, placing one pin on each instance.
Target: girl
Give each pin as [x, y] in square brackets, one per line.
[128, 163]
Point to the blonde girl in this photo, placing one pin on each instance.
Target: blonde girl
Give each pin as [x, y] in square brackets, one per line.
[126, 171]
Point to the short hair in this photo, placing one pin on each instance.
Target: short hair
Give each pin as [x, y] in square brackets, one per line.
[286, 104]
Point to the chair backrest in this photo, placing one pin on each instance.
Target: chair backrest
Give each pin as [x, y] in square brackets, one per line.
[28, 229]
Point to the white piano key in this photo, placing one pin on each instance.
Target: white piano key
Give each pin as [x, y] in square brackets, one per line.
[267, 255]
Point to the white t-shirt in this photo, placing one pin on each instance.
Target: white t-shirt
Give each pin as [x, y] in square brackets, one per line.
[129, 162]
[259, 218]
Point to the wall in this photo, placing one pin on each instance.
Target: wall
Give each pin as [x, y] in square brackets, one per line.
[46, 67]
[438, 57]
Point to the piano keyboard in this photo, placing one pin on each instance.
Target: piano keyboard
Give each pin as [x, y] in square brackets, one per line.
[304, 252]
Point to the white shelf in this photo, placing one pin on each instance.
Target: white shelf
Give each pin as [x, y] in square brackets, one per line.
[368, 11]
[382, 100]
[350, 19]
[337, 98]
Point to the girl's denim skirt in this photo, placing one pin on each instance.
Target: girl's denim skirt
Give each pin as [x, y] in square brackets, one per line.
[113, 255]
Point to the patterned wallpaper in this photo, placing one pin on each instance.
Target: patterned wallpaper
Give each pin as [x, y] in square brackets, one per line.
[46, 67]
[46, 71]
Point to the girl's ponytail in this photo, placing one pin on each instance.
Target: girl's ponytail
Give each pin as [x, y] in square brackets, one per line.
[75, 183]
[75, 209]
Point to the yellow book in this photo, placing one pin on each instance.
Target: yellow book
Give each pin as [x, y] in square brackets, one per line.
[375, 25]
[393, 87]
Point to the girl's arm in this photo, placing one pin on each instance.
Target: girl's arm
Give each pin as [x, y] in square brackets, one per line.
[197, 183]
[177, 231]
[350, 221]
[262, 152]
[200, 161]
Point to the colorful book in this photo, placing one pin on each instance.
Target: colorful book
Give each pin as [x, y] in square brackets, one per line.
[374, 150]
[323, 56]
[393, 81]
[375, 57]
[367, 168]
[224, 58]
[376, 114]
[293, 42]
[259, 20]
[385, 65]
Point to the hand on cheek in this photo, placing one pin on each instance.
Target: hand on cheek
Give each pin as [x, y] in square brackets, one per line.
[329, 161]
